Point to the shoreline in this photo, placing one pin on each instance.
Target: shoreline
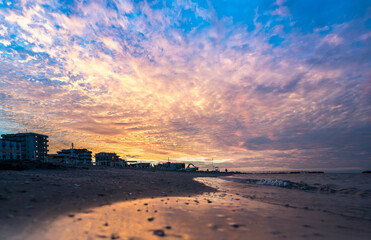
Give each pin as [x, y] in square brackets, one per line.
[229, 213]
[30, 197]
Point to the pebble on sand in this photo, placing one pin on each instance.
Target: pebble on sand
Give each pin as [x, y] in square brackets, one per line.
[159, 232]
[213, 226]
[235, 225]
[115, 236]
[151, 219]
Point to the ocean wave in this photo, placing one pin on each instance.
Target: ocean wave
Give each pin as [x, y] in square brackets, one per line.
[304, 186]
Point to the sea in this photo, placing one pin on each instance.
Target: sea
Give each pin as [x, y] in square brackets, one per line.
[343, 194]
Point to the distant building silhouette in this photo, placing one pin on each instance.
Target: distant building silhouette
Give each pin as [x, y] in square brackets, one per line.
[62, 158]
[33, 146]
[170, 166]
[108, 159]
[75, 156]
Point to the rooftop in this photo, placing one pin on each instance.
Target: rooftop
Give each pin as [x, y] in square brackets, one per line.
[24, 134]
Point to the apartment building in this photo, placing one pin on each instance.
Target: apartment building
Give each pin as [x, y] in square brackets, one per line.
[33, 146]
[108, 159]
[76, 156]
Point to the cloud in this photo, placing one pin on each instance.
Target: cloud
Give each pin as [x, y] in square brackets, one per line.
[151, 80]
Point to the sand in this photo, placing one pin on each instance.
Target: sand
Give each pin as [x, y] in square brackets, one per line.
[27, 198]
[208, 216]
[131, 204]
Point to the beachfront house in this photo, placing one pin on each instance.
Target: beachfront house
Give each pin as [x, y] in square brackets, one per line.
[76, 156]
[109, 159]
[62, 158]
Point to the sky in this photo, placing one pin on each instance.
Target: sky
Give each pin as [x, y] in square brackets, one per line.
[253, 85]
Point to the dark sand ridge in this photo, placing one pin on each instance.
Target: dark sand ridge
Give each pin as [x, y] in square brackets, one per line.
[29, 197]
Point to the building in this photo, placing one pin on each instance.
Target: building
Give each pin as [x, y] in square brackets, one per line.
[62, 158]
[108, 159]
[34, 147]
[10, 150]
[76, 156]
[140, 165]
[170, 166]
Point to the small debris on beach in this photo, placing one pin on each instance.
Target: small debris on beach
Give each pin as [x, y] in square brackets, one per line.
[159, 232]
[151, 219]
[105, 224]
[168, 227]
[71, 215]
[208, 201]
[235, 225]
[115, 236]
[213, 226]
[101, 236]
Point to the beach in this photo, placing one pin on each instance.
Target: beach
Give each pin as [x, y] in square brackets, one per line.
[27, 198]
[108, 203]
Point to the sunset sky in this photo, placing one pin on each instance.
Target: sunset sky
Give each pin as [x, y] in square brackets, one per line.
[255, 85]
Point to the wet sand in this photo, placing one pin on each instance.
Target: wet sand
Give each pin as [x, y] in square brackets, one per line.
[215, 215]
[29, 198]
[130, 204]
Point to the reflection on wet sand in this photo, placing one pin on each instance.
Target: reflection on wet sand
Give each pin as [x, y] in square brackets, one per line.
[221, 215]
